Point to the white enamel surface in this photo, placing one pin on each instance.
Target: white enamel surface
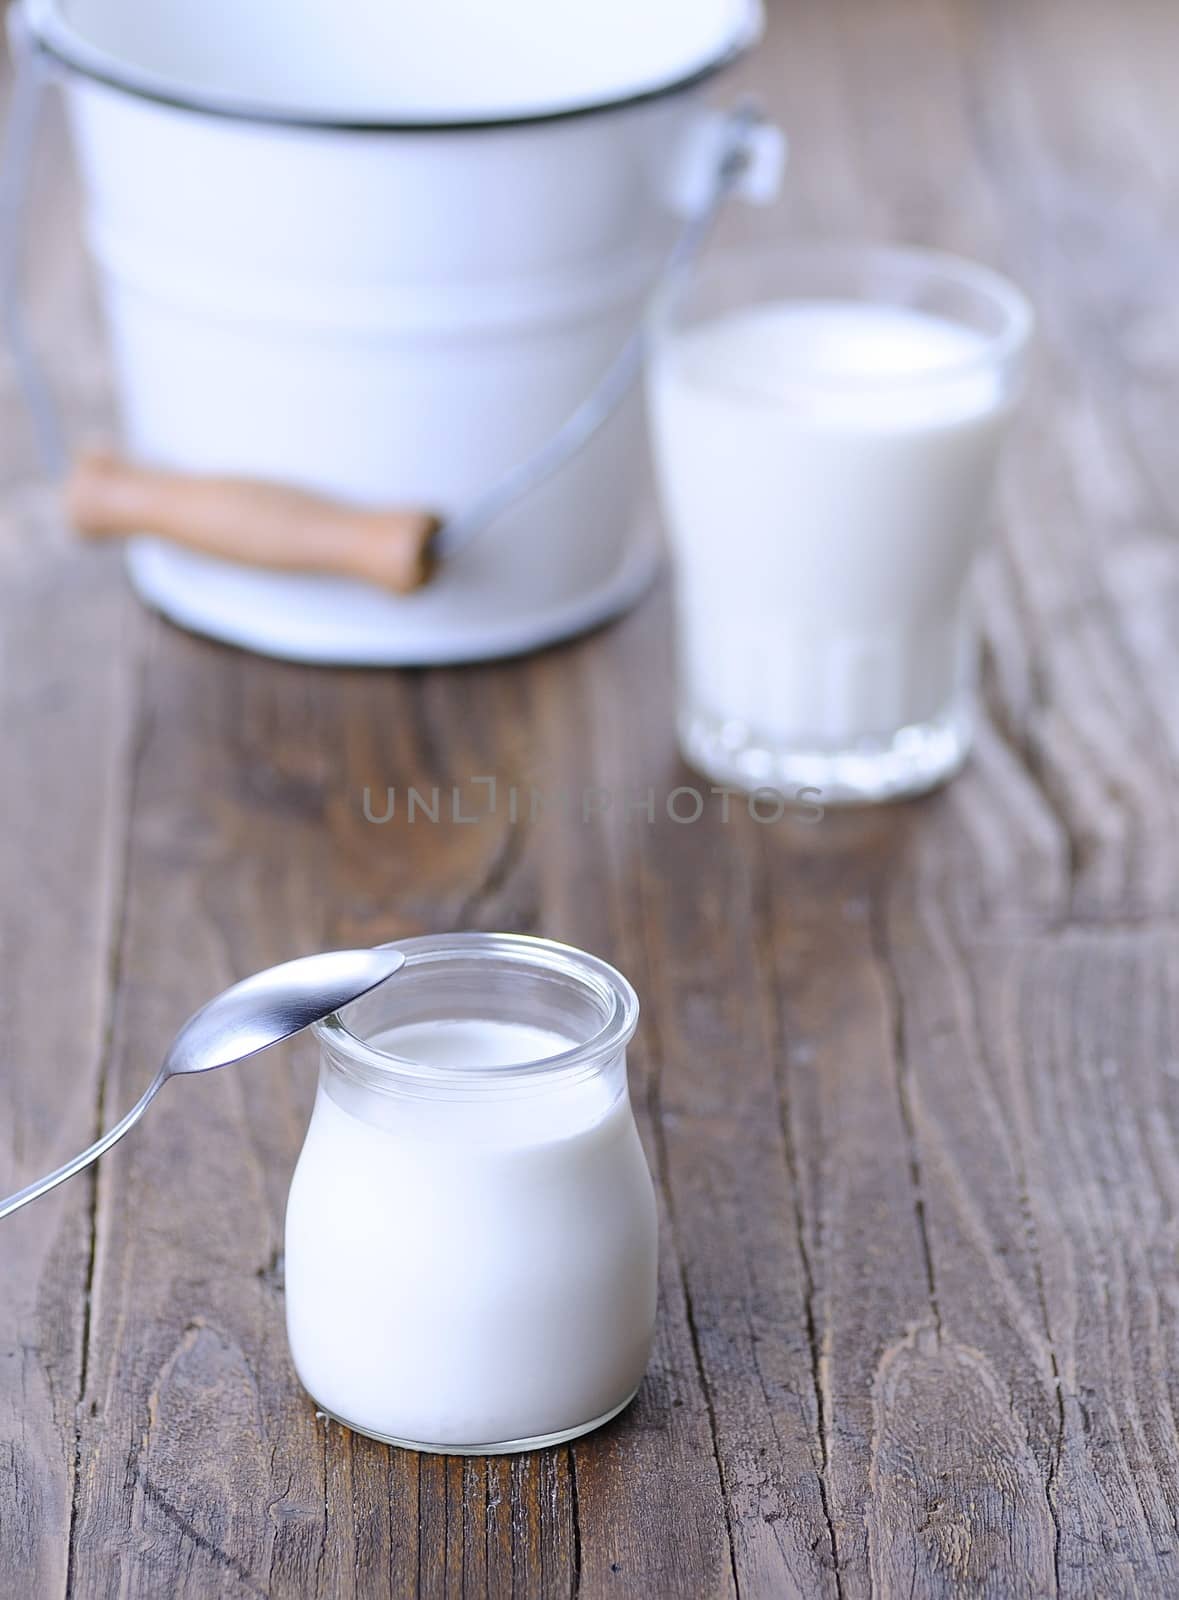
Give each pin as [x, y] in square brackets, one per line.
[320, 620]
[390, 60]
[474, 1271]
[825, 469]
[393, 318]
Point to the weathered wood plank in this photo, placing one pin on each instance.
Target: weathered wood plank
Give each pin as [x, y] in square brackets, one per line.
[68, 665]
[628, 1545]
[64, 728]
[692, 940]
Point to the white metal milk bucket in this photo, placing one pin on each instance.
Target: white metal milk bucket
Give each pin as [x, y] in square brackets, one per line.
[381, 250]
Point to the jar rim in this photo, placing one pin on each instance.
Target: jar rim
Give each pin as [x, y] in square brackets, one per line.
[593, 975]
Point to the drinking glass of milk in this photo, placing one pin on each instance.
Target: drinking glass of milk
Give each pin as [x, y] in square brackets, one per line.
[471, 1235]
[825, 454]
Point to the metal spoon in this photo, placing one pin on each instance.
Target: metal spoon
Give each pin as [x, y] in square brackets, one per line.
[249, 1017]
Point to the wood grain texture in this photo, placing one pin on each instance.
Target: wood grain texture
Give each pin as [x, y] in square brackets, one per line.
[908, 1080]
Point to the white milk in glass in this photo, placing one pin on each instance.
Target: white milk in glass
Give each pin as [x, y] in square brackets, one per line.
[471, 1269]
[825, 467]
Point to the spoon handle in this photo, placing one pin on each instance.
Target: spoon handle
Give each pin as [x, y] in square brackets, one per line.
[34, 1191]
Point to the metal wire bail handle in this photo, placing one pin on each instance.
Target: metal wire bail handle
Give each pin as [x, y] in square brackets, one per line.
[743, 151]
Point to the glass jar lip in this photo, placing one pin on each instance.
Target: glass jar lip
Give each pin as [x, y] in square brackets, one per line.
[997, 350]
[593, 974]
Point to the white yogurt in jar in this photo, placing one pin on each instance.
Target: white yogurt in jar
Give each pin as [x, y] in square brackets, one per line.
[824, 466]
[471, 1265]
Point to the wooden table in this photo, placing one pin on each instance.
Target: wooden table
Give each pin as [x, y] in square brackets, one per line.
[909, 1080]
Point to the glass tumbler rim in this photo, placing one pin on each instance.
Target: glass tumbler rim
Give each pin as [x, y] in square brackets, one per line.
[998, 350]
[385, 1071]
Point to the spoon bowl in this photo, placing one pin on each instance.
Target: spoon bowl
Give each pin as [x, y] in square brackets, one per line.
[273, 1005]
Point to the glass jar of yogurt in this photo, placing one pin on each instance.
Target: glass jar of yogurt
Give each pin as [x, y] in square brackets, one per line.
[471, 1233]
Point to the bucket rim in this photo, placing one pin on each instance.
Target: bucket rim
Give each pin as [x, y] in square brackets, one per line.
[67, 49]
